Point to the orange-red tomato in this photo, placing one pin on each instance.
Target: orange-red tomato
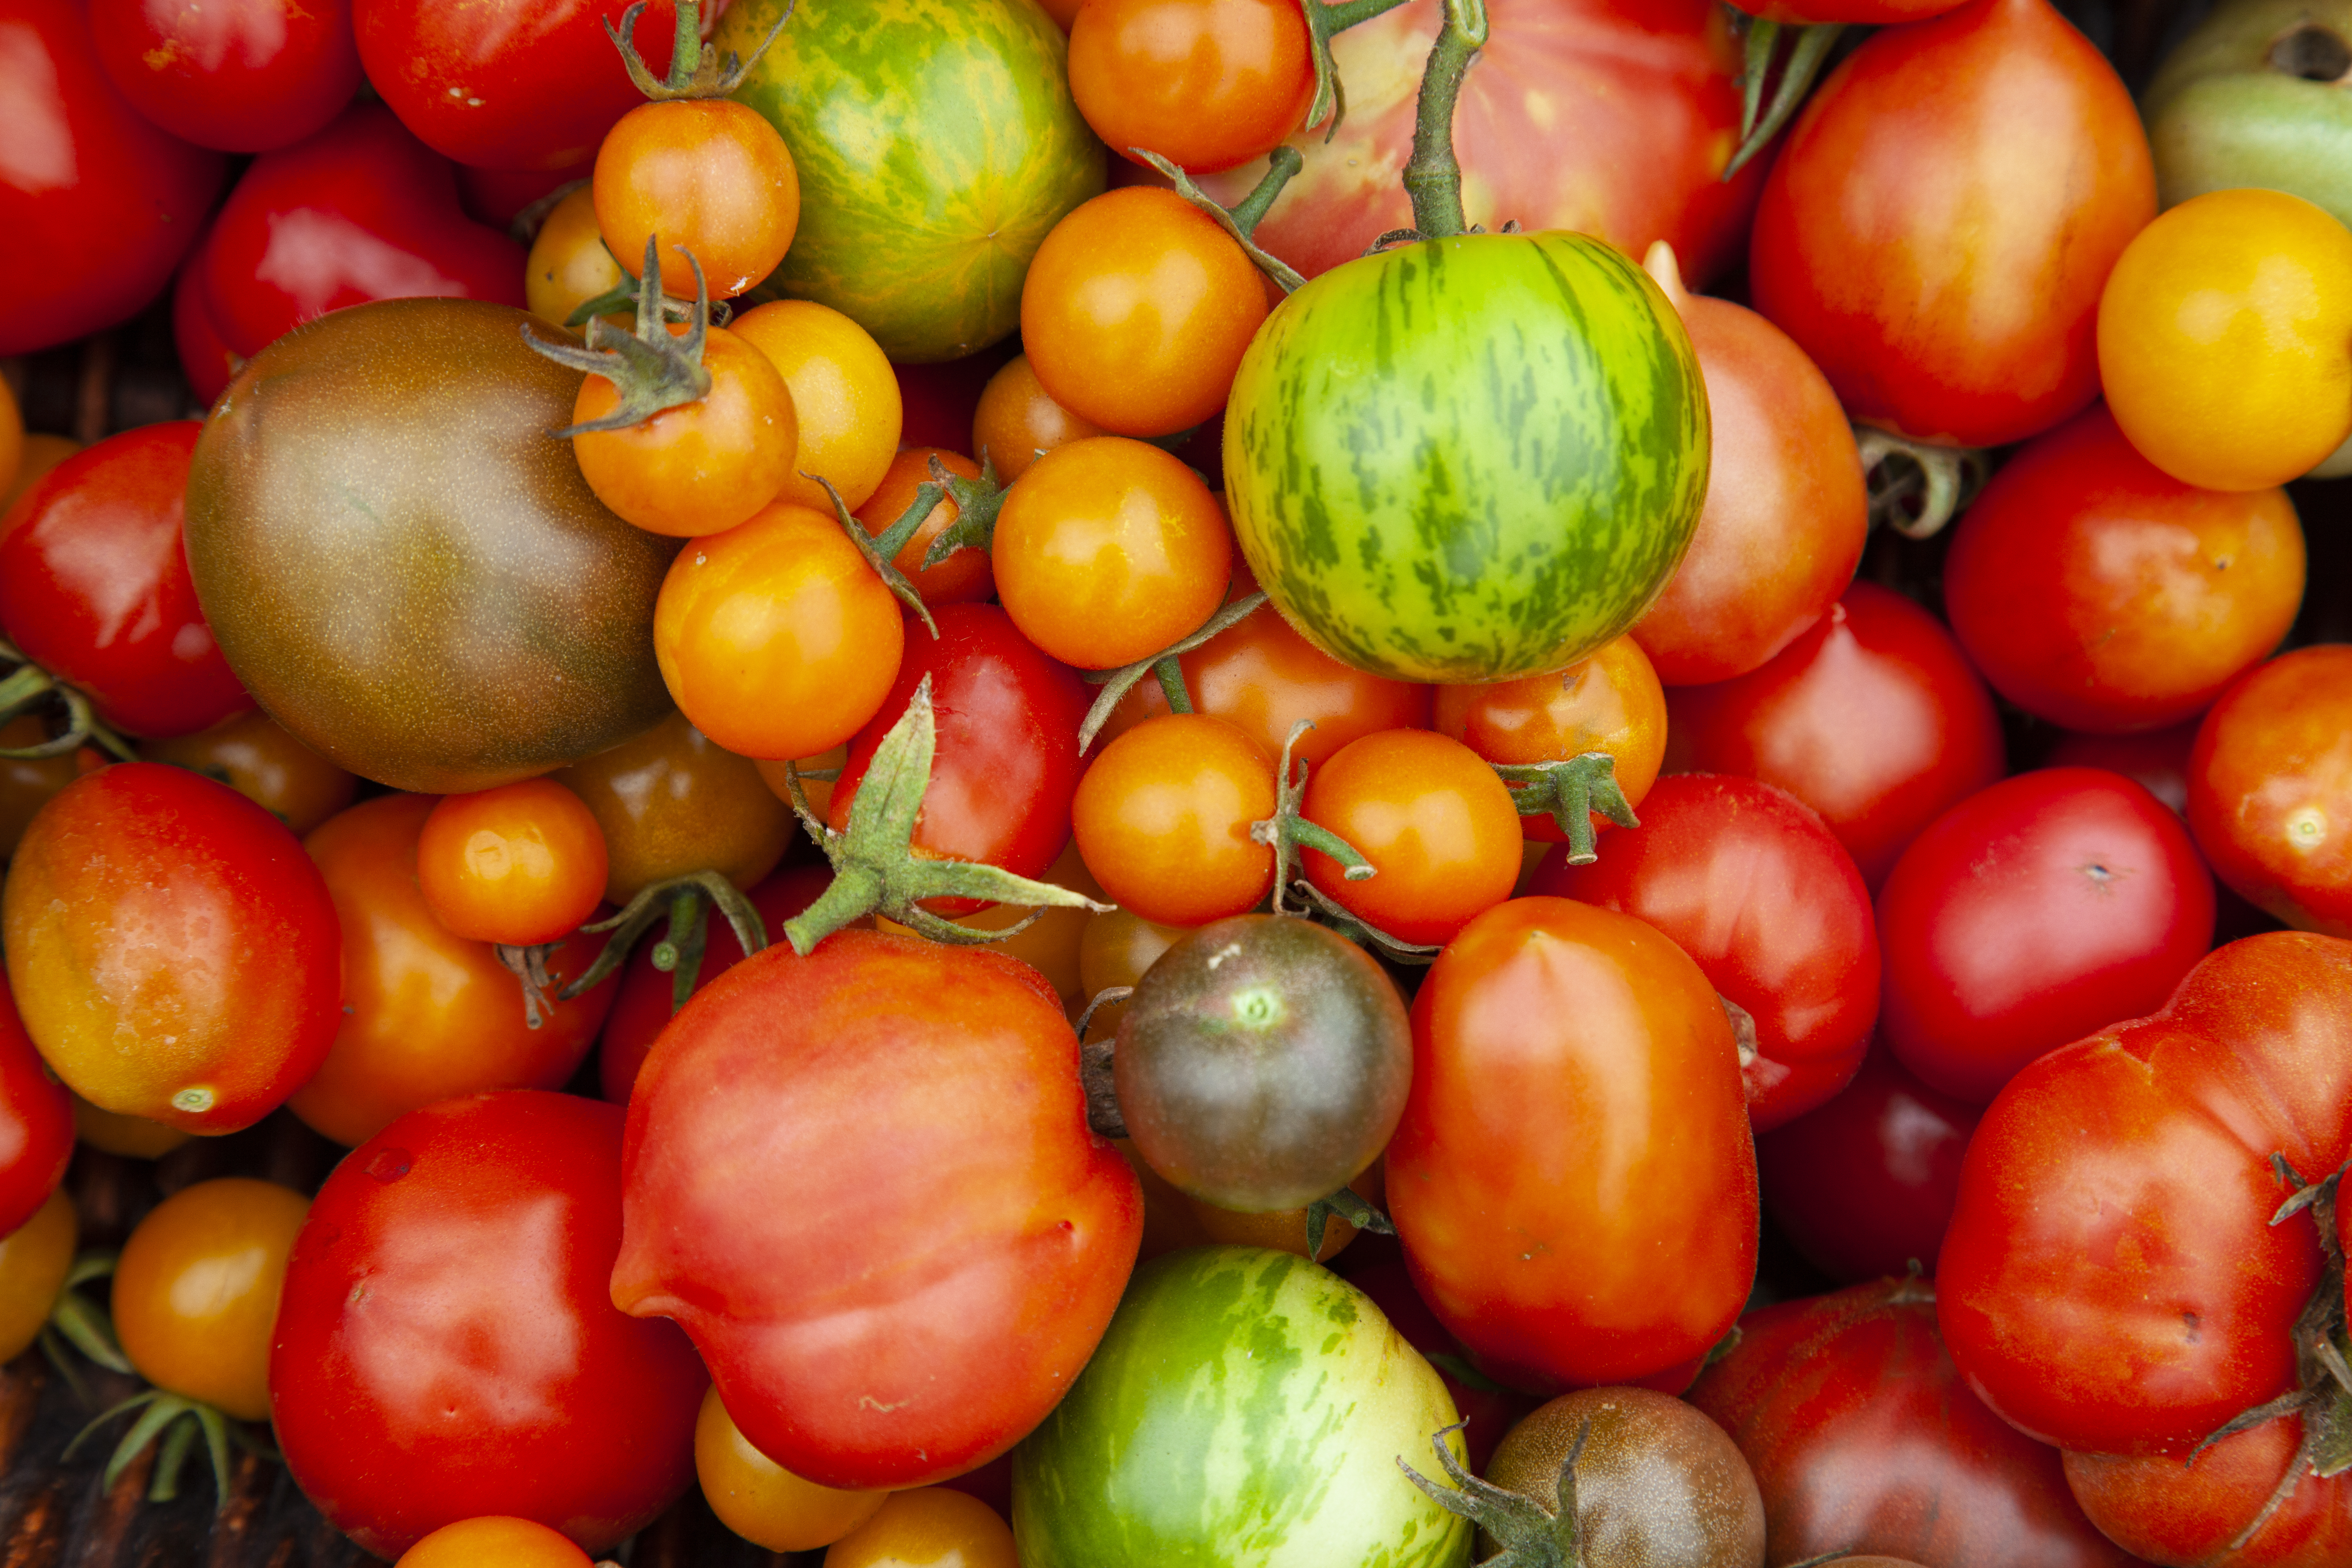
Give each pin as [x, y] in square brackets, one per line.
[708, 175]
[843, 393]
[1018, 421]
[1163, 819]
[2270, 788]
[1207, 84]
[671, 803]
[195, 1291]
[495, 1542]
[1609, 702]
[1435, 822]
[965, 577]
[704, 466]
[521, 864]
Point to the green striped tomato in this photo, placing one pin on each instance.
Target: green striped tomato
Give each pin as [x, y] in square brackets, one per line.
[937, 143]
[1468, 460]
[1246, 1409]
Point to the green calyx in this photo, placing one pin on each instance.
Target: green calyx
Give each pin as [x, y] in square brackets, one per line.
[28, 686]
[1323, 22]
[1241, 220]
[652, 369]
[1917, 487]
[1117, 683]
[1532, 1534]
[876, 869]
[686, 903]
[696, 69]
[1760, 121]
[883, 562]
[1348, 1205]
[1569, 791]
[977, 502]
[75, 1320]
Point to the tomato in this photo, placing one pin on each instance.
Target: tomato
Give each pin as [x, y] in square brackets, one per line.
[510, 1542]
[761, 1500]
[243, 77]
[940, 399]
[1873, 717]
[94, 585]
[2242, 100]
[195, 1290]
[1875, 13]
[507, 85]
[359, 210]
[1108, 550]
[700, 467]
[1437, 825]
[2170, 1510]
[429, 1015]
[568, 265]
[446, 1345]
[520, 865]
[173, 951]
[1863, 1439]
[929, 1527]
[671, 803]
[1376, 1266]
[2158, 1302]
[405, 581]
[1018, 421]
[965, 577]
[1163, 817]
[1656, 1480]
[35, 1259]
[1863, 1184]
[2270, 787]
[1756, 890]
[2221, 338]
[1873, 249]
[12, 442]
[775, 639]
[1609, 702]
[36, 1123]
[844, 396]
[107, 201]
[1207, 84]
[2031, 914]
[1786, 511]
[253, 754]
[947, 1281]
[701, 176]
[1539, 1244]
[2095, 591]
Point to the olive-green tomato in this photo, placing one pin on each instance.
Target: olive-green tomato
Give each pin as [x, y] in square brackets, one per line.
[401, 564]
[2254, 96]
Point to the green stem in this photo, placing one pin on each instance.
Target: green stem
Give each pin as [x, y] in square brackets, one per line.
[1324, 21]
[1279, 169]
[1569, 791]
[1117, 683]
[1281, 164]
[1171, 675]
[1432, 176]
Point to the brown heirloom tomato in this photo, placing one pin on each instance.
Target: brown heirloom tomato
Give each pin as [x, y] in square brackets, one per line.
[2270, 788]
[671, 803]
[253, 754]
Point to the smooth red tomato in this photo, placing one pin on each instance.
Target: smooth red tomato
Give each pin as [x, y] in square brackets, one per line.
[94, 585]
[1207, 84]
[2166, 1509]
[174, 952]
[447, 1343]
[36, 1123]
[2095, 591]
[1609, 702]
[705, 465]
[1433, 819]
[1749, 882]
[1873, 717]
[506, 1541]
[965, 577]
[1874, 13]
[2157, 1300]
[759, 1499]
[1940, 222]
[1537, 1241]
[1163, 817]
[195, 1290]
[522, 864]
[243, 75]
[708, 176]
[904, 1121]
[2270, 787]
[1862, 1186]
[672, 803]
[106, 202]
[1018, 422]
[1787, 511]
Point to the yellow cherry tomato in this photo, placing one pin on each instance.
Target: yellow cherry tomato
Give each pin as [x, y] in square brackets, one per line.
[569, 264]
[843, 391]
[759, 1499]
[34, 1258]
[929, 1527]
[2225, 339]
[495, 1541]
[195, 1293]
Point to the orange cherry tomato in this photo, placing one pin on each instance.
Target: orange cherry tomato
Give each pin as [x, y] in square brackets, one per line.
[1110, 549]
[1137, 310]
[35, 1259]
[1207, 84]
[494, 1542]
[1163, 819]
[195, 1291]
[568, 265]
[673, 802]
[1609, 702]
[132, 1137]
[776, 638]
[1018, 421]
[818, 791]
[704, 466]
[1433, 820]
[967, 576]
[929, 1527]
[427, 1014]
[521, 864]
[705, 175]
[255, 756]
[759, 1499]
[844, 392]
[2270, 787]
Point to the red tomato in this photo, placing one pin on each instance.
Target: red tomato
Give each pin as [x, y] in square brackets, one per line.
[2095, 591]
[902, 1121]
[99, 202]
[1943, 216]
[2270, 787]
[1873, 717]
[508, 84]
[94, 585]
[1864, 1440]
[1539, 1241]
[358, 212]
[446, 1345]
[2169, 1510]
[2157, 1300]
[1875, 13]
[36, 1123]
[240, 75]
[1747, 881]
[1863, 1186]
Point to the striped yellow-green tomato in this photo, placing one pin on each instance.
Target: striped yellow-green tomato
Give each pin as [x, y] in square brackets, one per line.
[2225, 339]
[937, 144]
[1246, 1409]
[1468, 460]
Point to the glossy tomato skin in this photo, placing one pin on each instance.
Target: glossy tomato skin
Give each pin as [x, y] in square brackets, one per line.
[2270, 787]
[360, 211]
[243, 77]
[1873, 717]
[1375, 1265]
[1540, 1245]
[2167, 1510]
[2031, 914]
[1863, 1439]
[1747, 880]
[36, 1123]
[2157, 1300]
[447, 1346]
[173, 951]
[1874, 249]
[1609, 702]
[513, 84]
[946, 1288]
[94, 585]
[109, 203]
